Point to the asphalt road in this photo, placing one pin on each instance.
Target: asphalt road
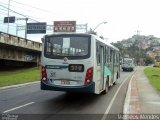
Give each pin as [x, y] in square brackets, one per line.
[31, 103]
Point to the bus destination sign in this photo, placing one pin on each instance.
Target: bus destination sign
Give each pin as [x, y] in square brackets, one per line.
[64, 26]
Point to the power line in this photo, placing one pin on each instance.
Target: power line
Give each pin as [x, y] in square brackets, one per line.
[31, 6]
[30, 17]
[12, 23]
[16, 7]
[3, 13]
[20, 13]
[3, 9]
[29, 10]
[3, 3]
[44, 10]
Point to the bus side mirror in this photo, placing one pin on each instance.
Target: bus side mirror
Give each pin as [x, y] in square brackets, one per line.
[42, 39]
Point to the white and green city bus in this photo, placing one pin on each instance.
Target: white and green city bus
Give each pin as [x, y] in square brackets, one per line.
[78, 62]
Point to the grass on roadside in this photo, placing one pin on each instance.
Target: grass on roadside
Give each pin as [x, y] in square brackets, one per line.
[153, 75]
[19, 76]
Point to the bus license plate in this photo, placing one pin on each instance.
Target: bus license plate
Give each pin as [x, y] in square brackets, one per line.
[65, 82]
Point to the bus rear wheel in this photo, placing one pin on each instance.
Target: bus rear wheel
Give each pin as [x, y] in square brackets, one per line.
[106, 88]
[116, 79]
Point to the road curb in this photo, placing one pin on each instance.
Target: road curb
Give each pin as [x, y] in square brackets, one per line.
[18, 85]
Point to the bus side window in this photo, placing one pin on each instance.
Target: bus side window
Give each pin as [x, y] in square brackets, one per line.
[110, 56]
[115, 59]
[97, 53]
[107, 54]
[117, 56]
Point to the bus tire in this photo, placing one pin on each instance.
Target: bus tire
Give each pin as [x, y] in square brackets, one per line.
[106, 87]
[116, 79]
[115, 83]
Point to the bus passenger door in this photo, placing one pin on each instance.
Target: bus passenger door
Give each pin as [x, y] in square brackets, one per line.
[101, 50]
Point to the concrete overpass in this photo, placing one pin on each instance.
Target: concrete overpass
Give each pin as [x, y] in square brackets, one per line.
[18, 52]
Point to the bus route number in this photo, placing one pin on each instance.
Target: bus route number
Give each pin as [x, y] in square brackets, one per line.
[76, 68]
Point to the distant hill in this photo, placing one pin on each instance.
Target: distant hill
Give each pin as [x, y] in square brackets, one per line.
[140, 47]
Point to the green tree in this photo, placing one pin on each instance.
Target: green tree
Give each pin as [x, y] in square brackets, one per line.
[148, 60]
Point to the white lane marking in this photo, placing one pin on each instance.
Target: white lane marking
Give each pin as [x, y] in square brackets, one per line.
[18, 107]
[12, 87]
[110, 104]
[127, 99]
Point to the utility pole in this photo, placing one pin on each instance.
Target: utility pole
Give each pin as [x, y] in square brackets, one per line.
[26, 19]
[8, 16]
[139, 51]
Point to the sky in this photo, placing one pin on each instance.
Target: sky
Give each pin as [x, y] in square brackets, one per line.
[123, 17]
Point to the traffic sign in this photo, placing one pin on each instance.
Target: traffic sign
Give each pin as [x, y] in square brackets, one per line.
[36, 28]
[11, 19]
[64, 26]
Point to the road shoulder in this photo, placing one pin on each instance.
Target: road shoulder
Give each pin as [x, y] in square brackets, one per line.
[19, 85]
[148, 96]
[141, 97]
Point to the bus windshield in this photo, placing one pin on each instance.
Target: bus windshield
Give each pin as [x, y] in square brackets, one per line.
[70, 46]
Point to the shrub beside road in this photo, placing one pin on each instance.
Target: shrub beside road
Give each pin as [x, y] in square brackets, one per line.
[19, 76]
[153, 75]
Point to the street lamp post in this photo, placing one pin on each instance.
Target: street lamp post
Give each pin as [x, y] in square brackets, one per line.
[99, 25]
